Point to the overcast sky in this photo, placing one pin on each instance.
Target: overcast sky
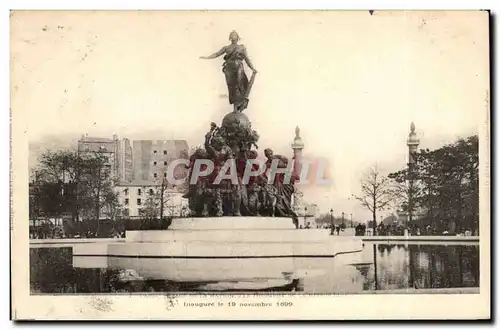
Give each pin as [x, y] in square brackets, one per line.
[352, 81]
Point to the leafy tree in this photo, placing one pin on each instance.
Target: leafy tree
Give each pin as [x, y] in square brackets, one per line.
[456, 170]
[57, 177]
[407, 192]
[59, 165]
[448, 185]
[66, 181]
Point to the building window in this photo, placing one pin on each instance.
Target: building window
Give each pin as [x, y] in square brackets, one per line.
[164, 152]
[151, 191]
[165, 163]
[164, 175]
[126, 192]
[155, 175]
[126, 201]
[139, 191]
[154, 163]
[138, 201]
[154, 151]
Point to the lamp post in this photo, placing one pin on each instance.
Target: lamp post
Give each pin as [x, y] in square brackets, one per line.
[381, 219]
[162, 197]
[352, 225]
[305, 217]
[331, 222]
[343, 219]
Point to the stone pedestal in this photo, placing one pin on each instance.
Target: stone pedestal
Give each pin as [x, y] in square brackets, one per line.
[232, 223]
[224, 249]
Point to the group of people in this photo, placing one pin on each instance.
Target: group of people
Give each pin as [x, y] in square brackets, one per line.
[51, 231]
[360, 229]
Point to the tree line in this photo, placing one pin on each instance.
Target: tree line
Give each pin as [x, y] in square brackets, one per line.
[67, 183]
[441, 186]
[82, 185]
[80, 188]
[328, 219]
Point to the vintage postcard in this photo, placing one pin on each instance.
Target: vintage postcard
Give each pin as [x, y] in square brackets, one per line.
[250, 165]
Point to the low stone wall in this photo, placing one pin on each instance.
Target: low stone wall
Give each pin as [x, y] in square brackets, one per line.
[420, 238]
[70, 242]
[472, 290]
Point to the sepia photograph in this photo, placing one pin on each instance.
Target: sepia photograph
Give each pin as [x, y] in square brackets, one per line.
[250, 164]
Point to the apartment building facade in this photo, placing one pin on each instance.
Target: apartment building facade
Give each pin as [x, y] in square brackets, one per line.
[118, 153]
[133, 197]
[152, 157]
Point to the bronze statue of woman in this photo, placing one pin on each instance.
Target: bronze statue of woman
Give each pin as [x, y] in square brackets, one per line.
[236, 79]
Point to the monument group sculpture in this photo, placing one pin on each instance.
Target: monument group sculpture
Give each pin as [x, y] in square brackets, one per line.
[236, 140]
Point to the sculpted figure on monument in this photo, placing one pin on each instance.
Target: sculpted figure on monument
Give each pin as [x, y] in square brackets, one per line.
[278, 194]
[219, 152]
[254, 203]
[196, 193]
[269, 192]
[234, 71]
[213, 130]
[253, 139]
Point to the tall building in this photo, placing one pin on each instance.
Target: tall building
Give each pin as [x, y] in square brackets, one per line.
[152, 157]
[89, 146]
[118, 154]
[125, 161]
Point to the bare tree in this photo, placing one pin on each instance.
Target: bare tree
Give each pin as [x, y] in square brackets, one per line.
[151, 207]
[376, 193]
[111, 205]
[157, 201]
[98, 182]
[163, 196]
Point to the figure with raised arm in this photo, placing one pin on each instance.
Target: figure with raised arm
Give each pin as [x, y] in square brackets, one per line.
[233, 68]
